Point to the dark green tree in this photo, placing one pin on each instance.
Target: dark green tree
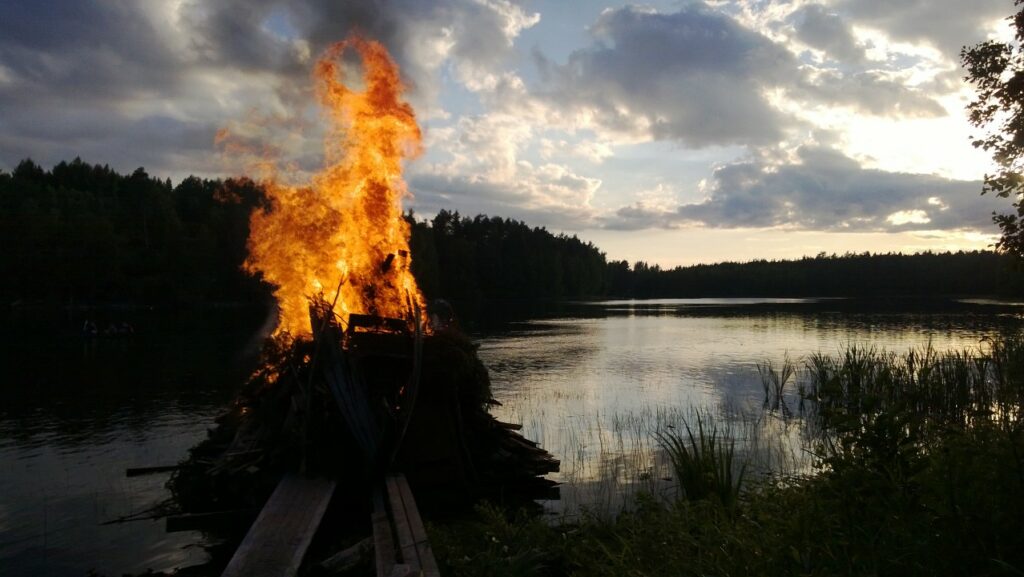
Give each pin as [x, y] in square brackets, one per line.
[83, 233]
[996, 70]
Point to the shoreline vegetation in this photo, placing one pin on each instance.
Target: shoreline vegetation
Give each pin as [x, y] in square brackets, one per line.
[82, 235]
[908, 464]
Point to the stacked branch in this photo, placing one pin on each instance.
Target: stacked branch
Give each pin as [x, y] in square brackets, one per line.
[287, 419]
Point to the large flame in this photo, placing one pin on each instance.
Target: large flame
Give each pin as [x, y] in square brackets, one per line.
[343, 235]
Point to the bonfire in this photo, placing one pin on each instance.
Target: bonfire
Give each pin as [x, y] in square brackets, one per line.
[355, 381]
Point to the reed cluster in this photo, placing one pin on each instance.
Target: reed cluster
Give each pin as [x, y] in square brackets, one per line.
[918, 469]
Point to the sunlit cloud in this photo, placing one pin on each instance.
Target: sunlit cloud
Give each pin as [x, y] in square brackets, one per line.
[908, 217]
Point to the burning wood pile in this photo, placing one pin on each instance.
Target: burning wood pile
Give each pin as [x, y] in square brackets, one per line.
[355, 382]
[357, 402]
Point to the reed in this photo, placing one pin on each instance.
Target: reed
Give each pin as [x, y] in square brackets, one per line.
[774, 382]
[920, 471]
[704, 461]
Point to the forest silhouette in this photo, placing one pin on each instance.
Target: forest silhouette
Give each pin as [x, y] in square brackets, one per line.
[84, 234]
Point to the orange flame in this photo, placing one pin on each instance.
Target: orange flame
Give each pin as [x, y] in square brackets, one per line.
[344, 230]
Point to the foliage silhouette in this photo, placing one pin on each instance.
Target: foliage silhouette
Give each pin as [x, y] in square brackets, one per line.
[996, 70]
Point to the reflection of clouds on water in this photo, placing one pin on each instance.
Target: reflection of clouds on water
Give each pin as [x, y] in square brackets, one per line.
[589, 382]
[53, 500]
[76, 412]
[592, 390]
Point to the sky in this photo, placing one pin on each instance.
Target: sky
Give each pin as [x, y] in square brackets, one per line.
[674, 132]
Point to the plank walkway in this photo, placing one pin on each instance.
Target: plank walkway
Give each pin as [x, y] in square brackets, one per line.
[277, 540]
[400, 539]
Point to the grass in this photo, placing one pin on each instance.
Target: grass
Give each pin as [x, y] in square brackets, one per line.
[704, 461]
[774, 382]
[919, 470]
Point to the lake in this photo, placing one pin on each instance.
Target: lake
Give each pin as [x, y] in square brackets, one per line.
[586, 379]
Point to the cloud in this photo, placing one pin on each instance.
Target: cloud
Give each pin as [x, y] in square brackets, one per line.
[654, 208]
[695, 76]
[482, 170]
[699, 77]
[868, 92]
[134, 83]
[476, 35]
[539, 195]
[824, 190]
[824, 30]
[945, 24]
[86, 77]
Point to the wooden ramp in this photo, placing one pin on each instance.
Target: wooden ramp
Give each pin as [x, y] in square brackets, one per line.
[400, 540]
[278, 538]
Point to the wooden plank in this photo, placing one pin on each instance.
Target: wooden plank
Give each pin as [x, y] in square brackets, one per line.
[277, 540]
[383, 543]
[406, 543]
[428, 564]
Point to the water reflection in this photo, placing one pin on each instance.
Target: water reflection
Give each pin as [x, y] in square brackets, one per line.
[590, 381]
[76, 411]
[594, 388]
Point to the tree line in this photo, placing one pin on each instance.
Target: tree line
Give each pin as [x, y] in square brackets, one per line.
[463, 258]
[847, 275]
[85, 234]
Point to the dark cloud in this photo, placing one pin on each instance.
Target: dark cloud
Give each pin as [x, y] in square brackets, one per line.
[80, 51]
[699, 77]
[78, 78]
[848, 78]
[868, 92]
[819, 28]
[829, 191]
[169, 145]
[506, 199]
[946, 24]
[640, 217]
[825, 190]
[96, 78]
[695, 76]
[234, 34]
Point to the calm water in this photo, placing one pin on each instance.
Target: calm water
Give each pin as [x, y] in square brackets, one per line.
[594, 382]
[75, 412]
